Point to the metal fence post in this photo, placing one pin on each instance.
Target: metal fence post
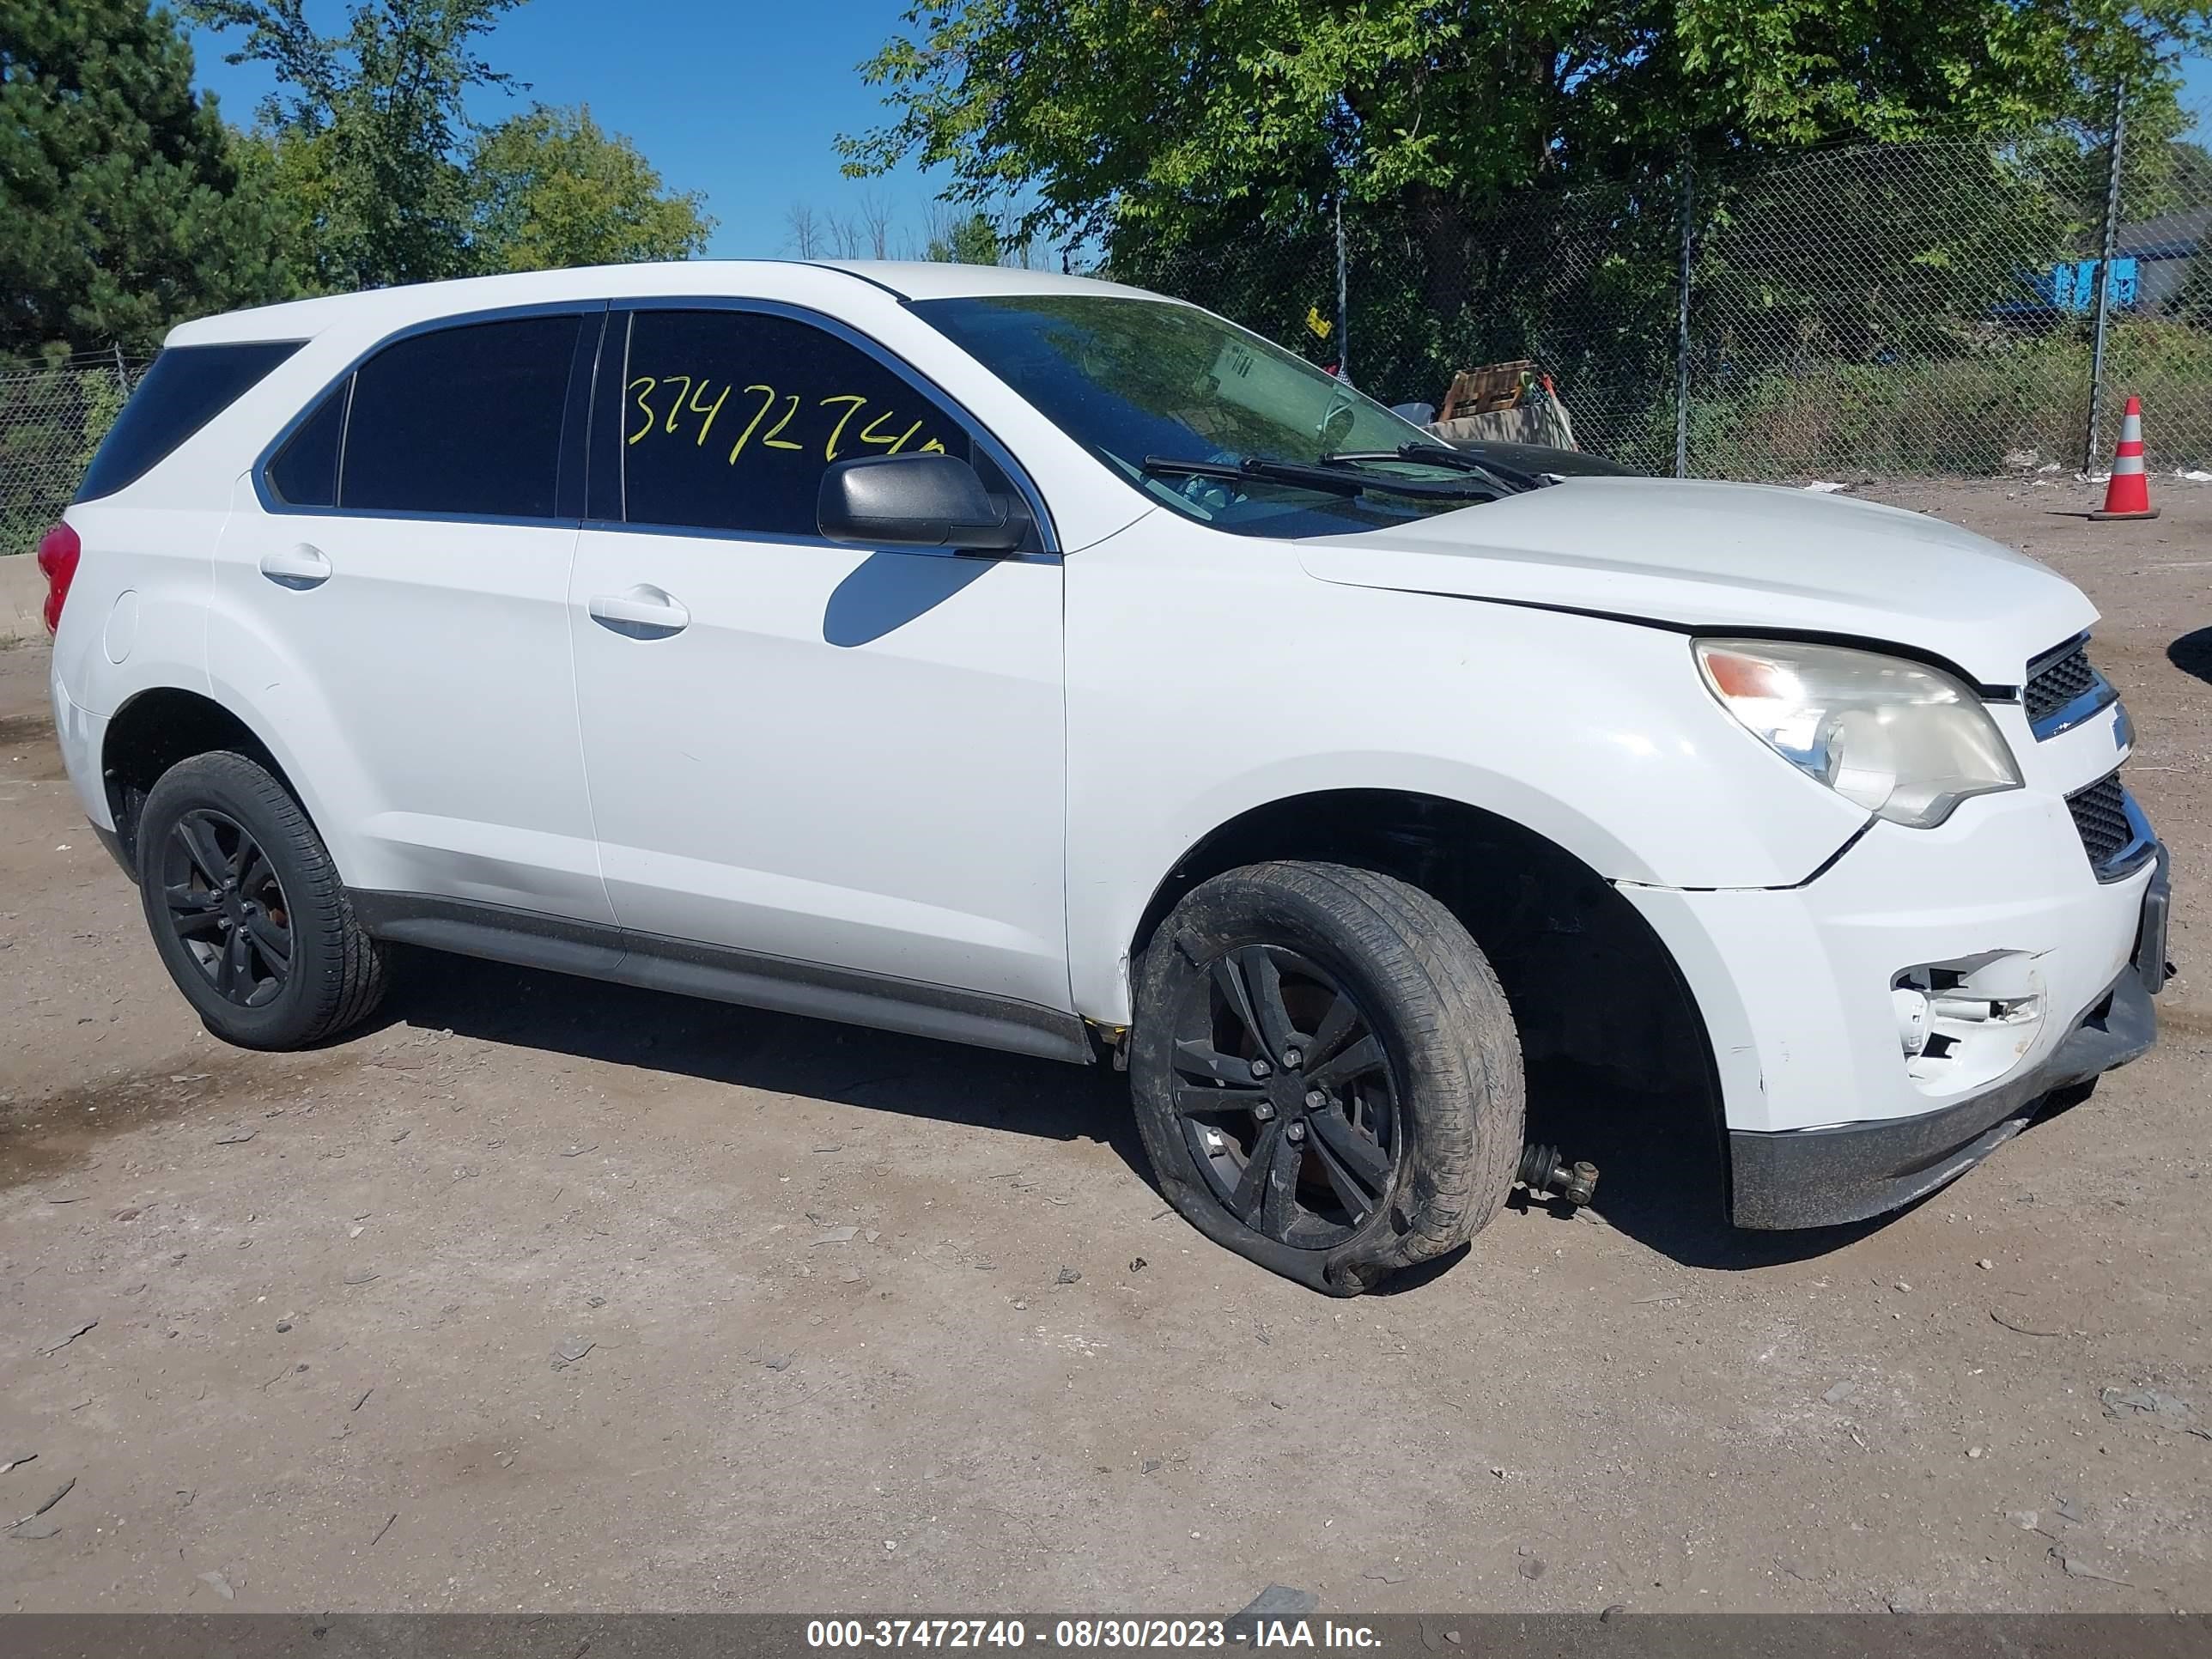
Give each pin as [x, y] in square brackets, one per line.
[1343, 319]
[1682, 328]
[2117, 152]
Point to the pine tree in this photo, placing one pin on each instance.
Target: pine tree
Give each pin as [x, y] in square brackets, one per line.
[121, 210]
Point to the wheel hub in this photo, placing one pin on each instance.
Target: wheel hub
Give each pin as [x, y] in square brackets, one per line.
[1288, 1094]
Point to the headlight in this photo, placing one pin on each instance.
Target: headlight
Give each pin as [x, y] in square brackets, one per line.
[1906, 742]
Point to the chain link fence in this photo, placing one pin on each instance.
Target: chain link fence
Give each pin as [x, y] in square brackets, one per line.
[1841, 312]
[1908, 308]
[53, 417]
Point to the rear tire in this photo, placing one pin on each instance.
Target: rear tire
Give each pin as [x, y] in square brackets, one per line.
[248, 910]
[1325, 1073]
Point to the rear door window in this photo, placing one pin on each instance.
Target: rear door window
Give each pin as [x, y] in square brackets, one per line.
[187, 387]
[466, 421]
[729, 419]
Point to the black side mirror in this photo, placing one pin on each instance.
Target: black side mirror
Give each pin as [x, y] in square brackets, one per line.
[917, 501]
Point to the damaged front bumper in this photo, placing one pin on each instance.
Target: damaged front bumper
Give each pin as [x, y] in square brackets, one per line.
[1824, 1177]
[1848, 1172]
[1826, 1118]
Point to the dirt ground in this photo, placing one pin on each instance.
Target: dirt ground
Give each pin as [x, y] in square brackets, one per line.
[550, 1294]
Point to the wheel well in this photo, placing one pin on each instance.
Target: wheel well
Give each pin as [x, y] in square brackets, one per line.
[151, 733]
[1603, 1012]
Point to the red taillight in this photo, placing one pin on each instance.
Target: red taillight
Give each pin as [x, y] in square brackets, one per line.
[58, 551]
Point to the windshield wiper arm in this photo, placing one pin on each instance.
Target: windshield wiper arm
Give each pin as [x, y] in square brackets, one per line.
[1328, 479]
[1440, 454]
[1329, 483]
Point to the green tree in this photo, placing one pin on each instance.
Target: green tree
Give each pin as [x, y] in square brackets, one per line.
[364, 140]
[970, 240]
[551, 188]
[121, 210]
[1177, 114]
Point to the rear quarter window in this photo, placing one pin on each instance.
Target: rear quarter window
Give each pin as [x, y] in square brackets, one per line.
[187, 387]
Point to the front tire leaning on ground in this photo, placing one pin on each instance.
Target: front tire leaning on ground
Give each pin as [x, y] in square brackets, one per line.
[1325, 1071]
[246, 909]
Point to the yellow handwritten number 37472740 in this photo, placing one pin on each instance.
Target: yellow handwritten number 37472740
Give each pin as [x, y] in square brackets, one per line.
[690, 397]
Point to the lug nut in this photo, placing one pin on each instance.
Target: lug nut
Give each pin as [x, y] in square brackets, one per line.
[1315, 1099]
[1264, 1111]
[1295, 1133]
[1261, 1068]
[1294, 1058]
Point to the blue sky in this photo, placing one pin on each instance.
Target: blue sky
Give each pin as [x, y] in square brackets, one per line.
[743, 101]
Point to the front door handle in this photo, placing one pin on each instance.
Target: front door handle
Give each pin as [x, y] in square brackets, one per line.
[299, 567]
[644, 612]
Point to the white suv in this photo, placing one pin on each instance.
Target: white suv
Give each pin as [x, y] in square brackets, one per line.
[1041, 663]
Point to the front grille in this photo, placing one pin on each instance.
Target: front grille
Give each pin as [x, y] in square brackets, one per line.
[2057, 680]
[2101, 817]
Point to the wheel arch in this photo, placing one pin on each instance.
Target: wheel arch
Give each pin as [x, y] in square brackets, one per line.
[153, 730]
[1604, 1010]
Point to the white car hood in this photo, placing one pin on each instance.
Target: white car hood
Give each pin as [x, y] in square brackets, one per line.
[1716, 556]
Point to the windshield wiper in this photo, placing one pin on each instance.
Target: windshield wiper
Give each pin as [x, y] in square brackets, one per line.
[1328, 479]
[1438, 454]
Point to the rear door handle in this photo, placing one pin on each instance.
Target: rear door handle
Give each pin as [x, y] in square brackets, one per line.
[299, 567]
[644, 612]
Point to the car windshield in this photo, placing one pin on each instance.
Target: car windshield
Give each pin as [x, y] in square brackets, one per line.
[1207, 418]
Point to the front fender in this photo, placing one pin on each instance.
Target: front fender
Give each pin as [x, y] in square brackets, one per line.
[1256, 684]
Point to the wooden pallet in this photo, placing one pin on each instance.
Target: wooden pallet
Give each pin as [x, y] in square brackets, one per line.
[1486, 389]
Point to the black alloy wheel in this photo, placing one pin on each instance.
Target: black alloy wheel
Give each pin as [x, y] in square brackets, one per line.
[227, 908]
[1286, 1098]
[247, 910]
[1325, 1072]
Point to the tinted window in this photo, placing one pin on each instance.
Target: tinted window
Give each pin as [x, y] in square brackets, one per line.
[187, 387]
[466, 420]
[305, 471]
[730, 418]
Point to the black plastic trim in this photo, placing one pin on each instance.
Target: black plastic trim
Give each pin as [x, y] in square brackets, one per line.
[2043, 659]
[2143, 844]
[2151, 932]
[721, 974]
[2076, 711]
[900, 295]
[1825, 1177]
[568, 478]
[113, 843]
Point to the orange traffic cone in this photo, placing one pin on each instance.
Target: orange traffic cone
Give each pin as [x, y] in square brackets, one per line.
[2128, 496]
